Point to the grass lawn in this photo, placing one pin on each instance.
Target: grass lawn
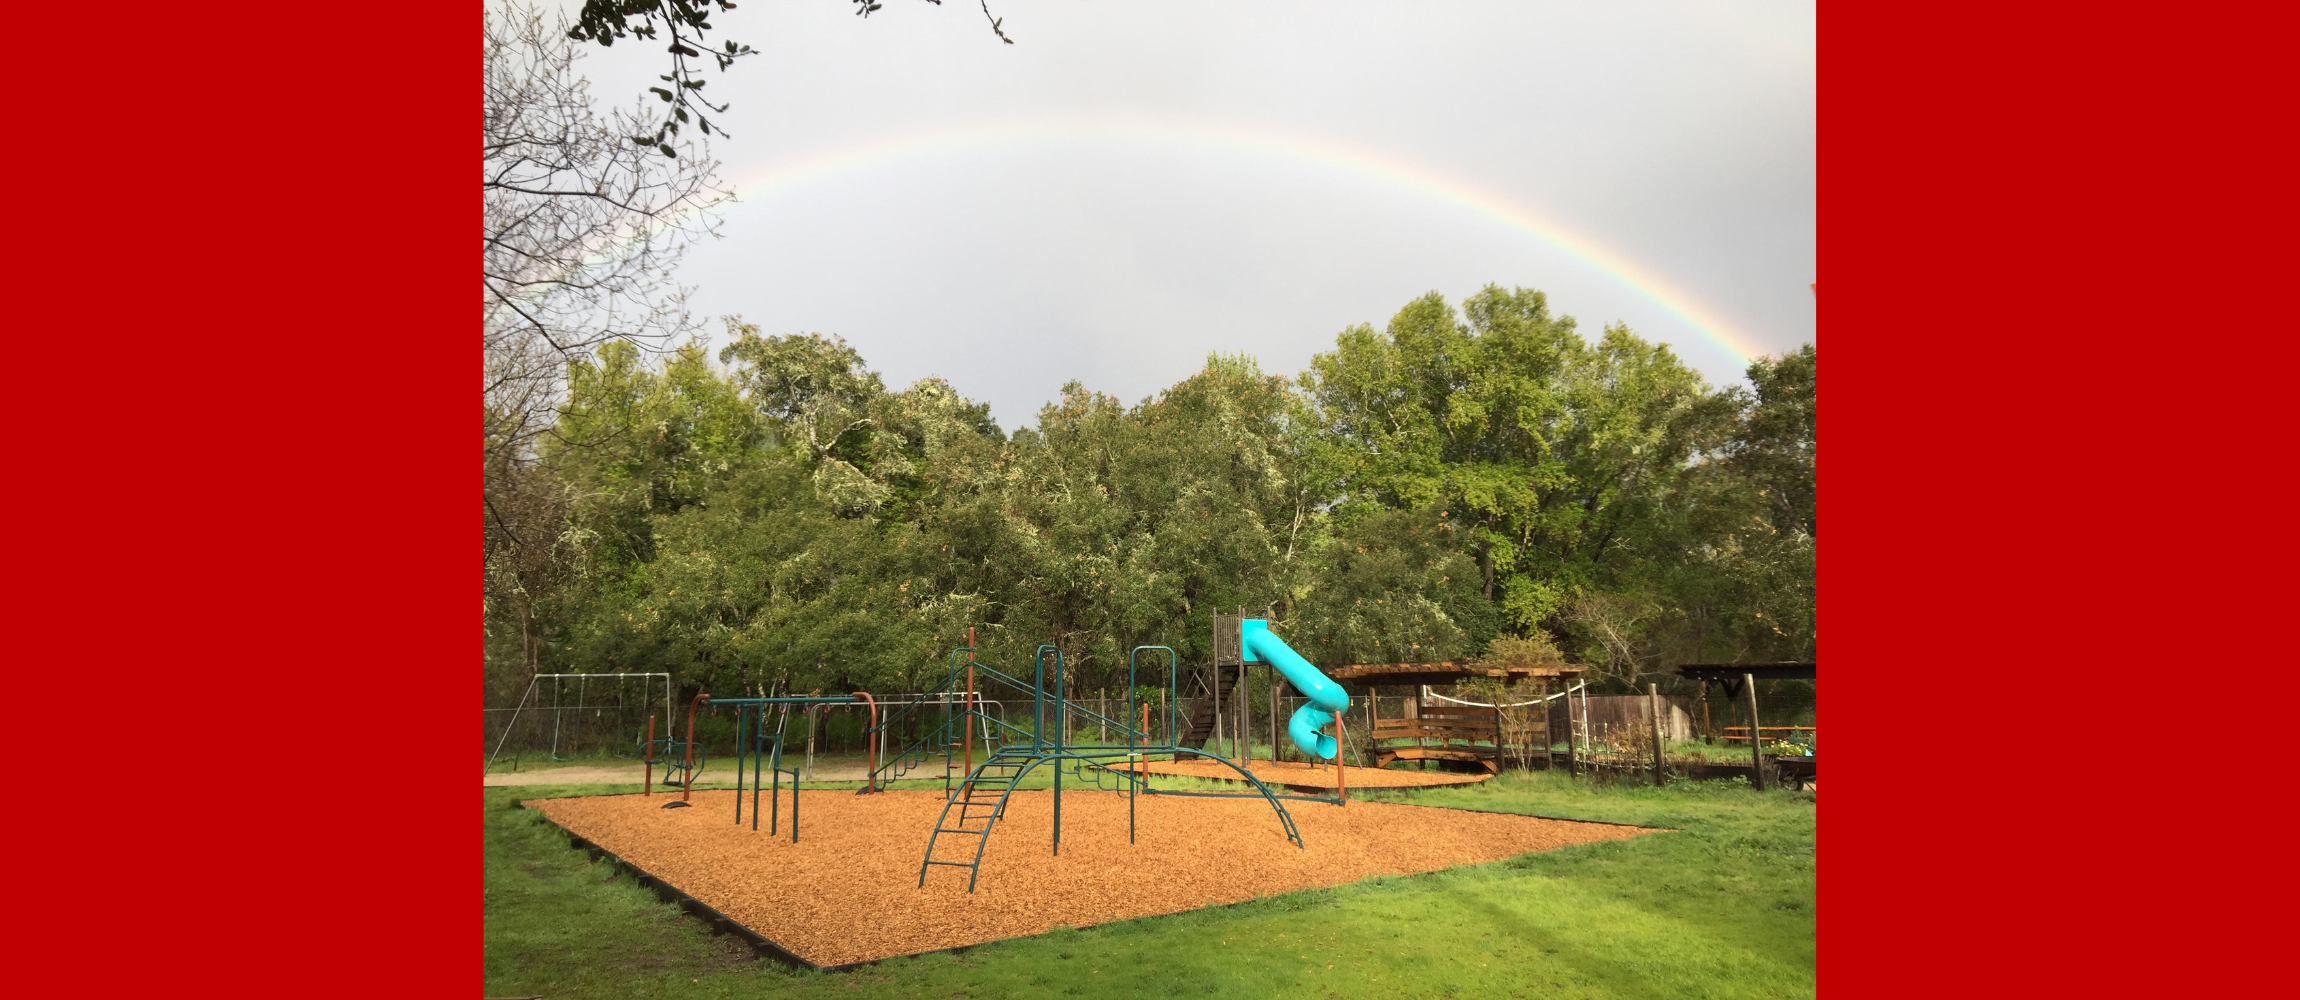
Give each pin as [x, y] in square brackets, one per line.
[1723, 907]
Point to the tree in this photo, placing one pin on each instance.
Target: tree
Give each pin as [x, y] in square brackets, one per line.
[777, 515]
[1550, 454]
[580, 232]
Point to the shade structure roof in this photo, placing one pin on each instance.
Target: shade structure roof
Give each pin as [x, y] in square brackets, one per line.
[1733, 671]
[1447, 672]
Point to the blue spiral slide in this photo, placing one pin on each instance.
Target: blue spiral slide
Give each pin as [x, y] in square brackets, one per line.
[1326, 697]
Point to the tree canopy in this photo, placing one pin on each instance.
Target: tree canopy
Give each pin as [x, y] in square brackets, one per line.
[1479, 481]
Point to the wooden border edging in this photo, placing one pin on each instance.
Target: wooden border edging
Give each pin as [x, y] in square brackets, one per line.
[719, 923]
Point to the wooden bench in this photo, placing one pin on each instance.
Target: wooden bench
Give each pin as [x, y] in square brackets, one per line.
[1456, 730]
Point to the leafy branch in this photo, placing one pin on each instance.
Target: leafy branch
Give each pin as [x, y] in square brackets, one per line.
[685, 22]
[865, 7]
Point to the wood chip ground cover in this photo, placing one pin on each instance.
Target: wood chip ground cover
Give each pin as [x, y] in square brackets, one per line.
[848, 891]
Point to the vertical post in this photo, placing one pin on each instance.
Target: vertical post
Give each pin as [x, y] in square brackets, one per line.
[870, 777]
[740, 751]
[1756, 746]
[1274, 737]
[687, 785]
[967, 716]
[1214, 680]
[1341, 769]
[813, 712]
[1369, 722]
[1572, 762]
[1214, 691]
[1653, 702]
[1708, 732]
[1584, 714]
[1061, 722]
[650, 786]
[1548, 739]
[1245, 738]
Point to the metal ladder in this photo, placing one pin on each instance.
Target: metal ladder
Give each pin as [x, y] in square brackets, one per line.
[997, 776]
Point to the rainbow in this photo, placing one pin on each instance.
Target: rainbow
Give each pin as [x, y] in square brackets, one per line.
[1380, 167]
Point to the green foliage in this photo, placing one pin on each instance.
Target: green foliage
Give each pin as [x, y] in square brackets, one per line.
[1436, 490]
[684, 22]
[1552, 454]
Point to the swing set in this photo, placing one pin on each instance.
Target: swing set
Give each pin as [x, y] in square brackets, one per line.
[570, 723]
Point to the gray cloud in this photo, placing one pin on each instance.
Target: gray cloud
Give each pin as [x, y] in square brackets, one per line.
[1046, 239]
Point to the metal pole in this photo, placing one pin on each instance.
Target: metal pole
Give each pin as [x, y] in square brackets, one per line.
[741, 751]
[508, 726]
[1756, 746]
[558, 698]
[966, 732]
[1060, 724]
[870, 777]
[650, 752]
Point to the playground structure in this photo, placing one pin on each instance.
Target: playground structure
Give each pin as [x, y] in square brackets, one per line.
[976, 796]
[970, 731]
[966, 712]
[977, 801]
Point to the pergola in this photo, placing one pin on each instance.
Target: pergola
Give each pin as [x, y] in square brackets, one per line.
[1366, 675]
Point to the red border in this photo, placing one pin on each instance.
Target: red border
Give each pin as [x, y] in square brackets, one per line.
[233, 397]
[235, 496]
[2044, 224]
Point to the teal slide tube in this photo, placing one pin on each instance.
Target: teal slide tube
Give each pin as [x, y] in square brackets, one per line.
[1326, 697]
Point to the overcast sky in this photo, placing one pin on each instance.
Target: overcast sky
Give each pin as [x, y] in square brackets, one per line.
[1134, 184]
